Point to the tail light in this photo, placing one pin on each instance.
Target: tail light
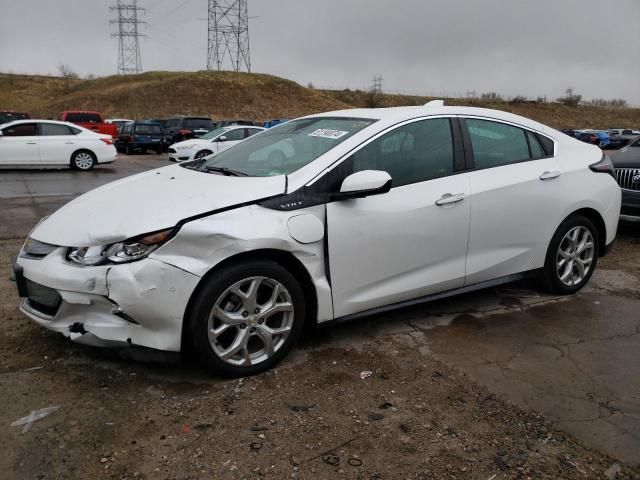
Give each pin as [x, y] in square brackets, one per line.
[185, 132]
[108, 141]
[605, 165]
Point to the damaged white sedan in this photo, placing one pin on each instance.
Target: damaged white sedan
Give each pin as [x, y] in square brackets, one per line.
[363, 211]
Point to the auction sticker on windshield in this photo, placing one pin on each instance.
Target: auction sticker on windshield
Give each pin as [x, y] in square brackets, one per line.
[326, 133]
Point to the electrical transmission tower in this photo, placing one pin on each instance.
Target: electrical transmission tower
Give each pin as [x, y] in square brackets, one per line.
[128, 13]
[376, 86]
[228, 39]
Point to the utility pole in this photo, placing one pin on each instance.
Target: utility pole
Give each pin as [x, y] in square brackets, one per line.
[127, 20]
[228, 35]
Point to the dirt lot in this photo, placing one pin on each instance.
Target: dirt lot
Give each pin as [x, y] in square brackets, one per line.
[421, 414]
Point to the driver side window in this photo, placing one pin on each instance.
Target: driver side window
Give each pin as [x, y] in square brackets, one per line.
[412, 153]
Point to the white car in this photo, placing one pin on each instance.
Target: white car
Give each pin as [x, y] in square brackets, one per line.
[230, 255]
[210, 143]
[48, 143]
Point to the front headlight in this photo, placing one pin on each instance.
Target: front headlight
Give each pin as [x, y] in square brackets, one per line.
[135, 248]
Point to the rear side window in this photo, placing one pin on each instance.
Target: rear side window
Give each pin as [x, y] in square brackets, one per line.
[536, 148]
[21, 130]
[547, 144]
[83, 118]
[53, 129]
[495, 144]
[250, 131]
[148, 129]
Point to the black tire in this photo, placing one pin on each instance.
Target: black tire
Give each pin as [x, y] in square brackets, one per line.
[202, 154]
[215, 288]
[128, 150]
[550, 276]
[83, 160]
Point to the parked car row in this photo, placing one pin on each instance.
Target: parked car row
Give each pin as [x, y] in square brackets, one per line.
[614, 138]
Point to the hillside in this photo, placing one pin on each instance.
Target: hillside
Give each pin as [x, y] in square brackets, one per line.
[162, 94]
[242, 95]
[552, 114]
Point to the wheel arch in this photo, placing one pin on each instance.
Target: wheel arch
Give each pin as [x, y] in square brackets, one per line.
[597, 219]
[282, 257]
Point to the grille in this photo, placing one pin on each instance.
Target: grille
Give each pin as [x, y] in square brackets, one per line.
[628, 178]
[43, 299]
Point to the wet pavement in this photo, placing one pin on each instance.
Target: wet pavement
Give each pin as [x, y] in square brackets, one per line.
[575, 359]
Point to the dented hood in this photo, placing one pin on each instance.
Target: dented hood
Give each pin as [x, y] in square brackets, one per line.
[147, 202]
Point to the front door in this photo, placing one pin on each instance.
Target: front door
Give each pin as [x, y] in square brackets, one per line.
[232, 137]
[409, 242]
[19, 145]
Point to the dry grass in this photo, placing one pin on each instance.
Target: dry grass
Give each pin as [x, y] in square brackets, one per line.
[242, 95]
[162, 94]
[552, 114]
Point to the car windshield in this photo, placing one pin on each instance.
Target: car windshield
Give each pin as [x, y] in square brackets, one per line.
[213, 133]
[285, 148]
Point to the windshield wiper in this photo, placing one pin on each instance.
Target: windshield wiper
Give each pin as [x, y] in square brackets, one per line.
[225, 171]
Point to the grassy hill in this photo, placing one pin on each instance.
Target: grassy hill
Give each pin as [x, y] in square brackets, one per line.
[162, 94]
[242, 95]
[553, 114]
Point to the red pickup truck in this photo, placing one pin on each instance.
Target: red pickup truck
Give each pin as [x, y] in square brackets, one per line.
[91, 120]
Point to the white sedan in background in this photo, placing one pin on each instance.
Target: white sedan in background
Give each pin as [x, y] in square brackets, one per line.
[213, 142]
[48, 143]
[231, 255]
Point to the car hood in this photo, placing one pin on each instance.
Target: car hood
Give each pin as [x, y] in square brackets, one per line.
[148, 202]
[628, 157]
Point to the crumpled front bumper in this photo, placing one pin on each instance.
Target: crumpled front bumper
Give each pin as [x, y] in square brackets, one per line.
[139, 303]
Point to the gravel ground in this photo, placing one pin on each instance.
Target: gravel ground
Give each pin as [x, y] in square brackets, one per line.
[313, 417]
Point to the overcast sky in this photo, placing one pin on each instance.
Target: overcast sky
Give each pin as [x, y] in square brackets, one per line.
[435, 47]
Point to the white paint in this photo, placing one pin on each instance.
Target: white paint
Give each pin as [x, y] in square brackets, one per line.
[306, 228]
[365, 180]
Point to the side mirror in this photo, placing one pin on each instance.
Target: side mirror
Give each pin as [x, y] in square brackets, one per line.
[364, 183]
[222, 138]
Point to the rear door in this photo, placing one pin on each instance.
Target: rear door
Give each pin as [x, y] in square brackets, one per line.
[57, 143]
[516, 193]
[19, 145]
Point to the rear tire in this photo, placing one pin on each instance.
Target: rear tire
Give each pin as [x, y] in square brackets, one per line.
[83, 160]
[246, 318]
[572, 256]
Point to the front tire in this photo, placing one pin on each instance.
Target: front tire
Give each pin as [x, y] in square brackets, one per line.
[246, 318]
[572, 256]
[83, 160]
[202, 154]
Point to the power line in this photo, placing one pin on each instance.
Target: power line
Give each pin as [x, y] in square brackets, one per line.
[129, 60]
[228, 35]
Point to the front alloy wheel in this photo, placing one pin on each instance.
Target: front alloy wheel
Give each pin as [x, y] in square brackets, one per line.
[246, 317]
[250, 321]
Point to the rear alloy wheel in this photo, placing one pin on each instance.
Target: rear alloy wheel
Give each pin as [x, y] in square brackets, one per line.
[83, 160]
[202, 154]
[247, 318]
[572, 256]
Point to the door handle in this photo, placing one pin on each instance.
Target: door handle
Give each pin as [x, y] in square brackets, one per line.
[549, 175]
[450, 198]
[69, 143]
[31, 143]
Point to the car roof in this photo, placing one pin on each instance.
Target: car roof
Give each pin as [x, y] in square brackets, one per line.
[38, 120]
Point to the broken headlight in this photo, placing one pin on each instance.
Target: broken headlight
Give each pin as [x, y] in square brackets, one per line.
[130, 250]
